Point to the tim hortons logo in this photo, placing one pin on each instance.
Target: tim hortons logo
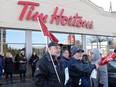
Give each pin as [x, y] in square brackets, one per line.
[30, 13]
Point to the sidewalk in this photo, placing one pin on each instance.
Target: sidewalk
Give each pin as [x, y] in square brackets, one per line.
[27, 83]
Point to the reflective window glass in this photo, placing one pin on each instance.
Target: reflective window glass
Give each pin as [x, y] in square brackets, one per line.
[63, 38]
[91, 42]
[78, 39]
[13, 48]
[39, 49]
[102, 45]
[37, 37]
[14, 36]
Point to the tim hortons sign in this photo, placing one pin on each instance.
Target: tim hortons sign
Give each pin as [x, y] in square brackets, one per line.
[30, 13]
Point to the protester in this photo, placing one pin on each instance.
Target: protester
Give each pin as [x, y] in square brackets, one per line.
[65, 57]
[22, 66]
[45, 75]
[102, 73]
[80, 70]
[1, 65]
[34, 58]
[86, 58]
[16, 67]
[9, 67]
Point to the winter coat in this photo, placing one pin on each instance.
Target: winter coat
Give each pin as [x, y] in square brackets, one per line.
[102, 73]
[65, 61]
[22, 62]
[45, 75]
[79, 71]
[8, 64]
[1, 65]
[33, 60]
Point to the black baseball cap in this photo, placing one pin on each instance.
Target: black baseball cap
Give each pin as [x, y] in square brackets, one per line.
[53, 44]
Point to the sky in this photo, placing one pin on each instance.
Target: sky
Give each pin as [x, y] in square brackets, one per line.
[105, 4]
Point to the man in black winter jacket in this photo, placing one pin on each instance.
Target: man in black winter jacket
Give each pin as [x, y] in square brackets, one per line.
[45, 75]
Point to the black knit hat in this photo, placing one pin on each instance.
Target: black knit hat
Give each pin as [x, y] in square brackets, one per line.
[52, 44]
[76, 49]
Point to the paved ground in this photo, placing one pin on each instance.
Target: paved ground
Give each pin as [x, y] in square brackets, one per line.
[27, 83]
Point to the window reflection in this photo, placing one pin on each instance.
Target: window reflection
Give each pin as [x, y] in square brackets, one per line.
[91, 42]
[78, 39]
[99, 42]
[37, 37]
[112, 43]
[13, 41]
[13, 48]
[39, 49]
[72, 39]
[102, 40]
[15, 36]
[102, 45]
[63, 38]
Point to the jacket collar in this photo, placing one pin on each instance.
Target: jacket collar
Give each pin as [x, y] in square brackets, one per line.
[65, 58]
[47, 55]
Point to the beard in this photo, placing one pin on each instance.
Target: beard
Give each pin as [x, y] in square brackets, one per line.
[58, 54]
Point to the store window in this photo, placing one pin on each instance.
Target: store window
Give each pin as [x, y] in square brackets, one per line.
[63, 38]
[39, 49]
[38, 42]
[102, 45]
[13, 41]
[38, 38]
[112, 43]
[72, 39]
[78, 39]
[91, 42]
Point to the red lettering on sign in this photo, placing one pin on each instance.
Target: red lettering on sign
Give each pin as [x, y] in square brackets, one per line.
[64, 20]
[26, 3]
[76, 20]
[54, 16]
[70, 21]
[29, 14]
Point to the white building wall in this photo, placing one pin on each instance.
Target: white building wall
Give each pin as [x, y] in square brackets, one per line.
[104, 22]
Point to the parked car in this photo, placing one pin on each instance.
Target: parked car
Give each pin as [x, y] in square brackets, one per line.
[112, 73]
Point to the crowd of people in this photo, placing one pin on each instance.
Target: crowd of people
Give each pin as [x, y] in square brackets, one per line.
[51, 68]
[8, 65]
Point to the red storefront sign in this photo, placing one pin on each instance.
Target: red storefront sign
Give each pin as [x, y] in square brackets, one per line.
[69, 39]
[72, 38]
[76, 21]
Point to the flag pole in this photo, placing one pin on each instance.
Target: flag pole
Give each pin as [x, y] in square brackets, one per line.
[49, 53]
[110, 9]
[42, 32]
